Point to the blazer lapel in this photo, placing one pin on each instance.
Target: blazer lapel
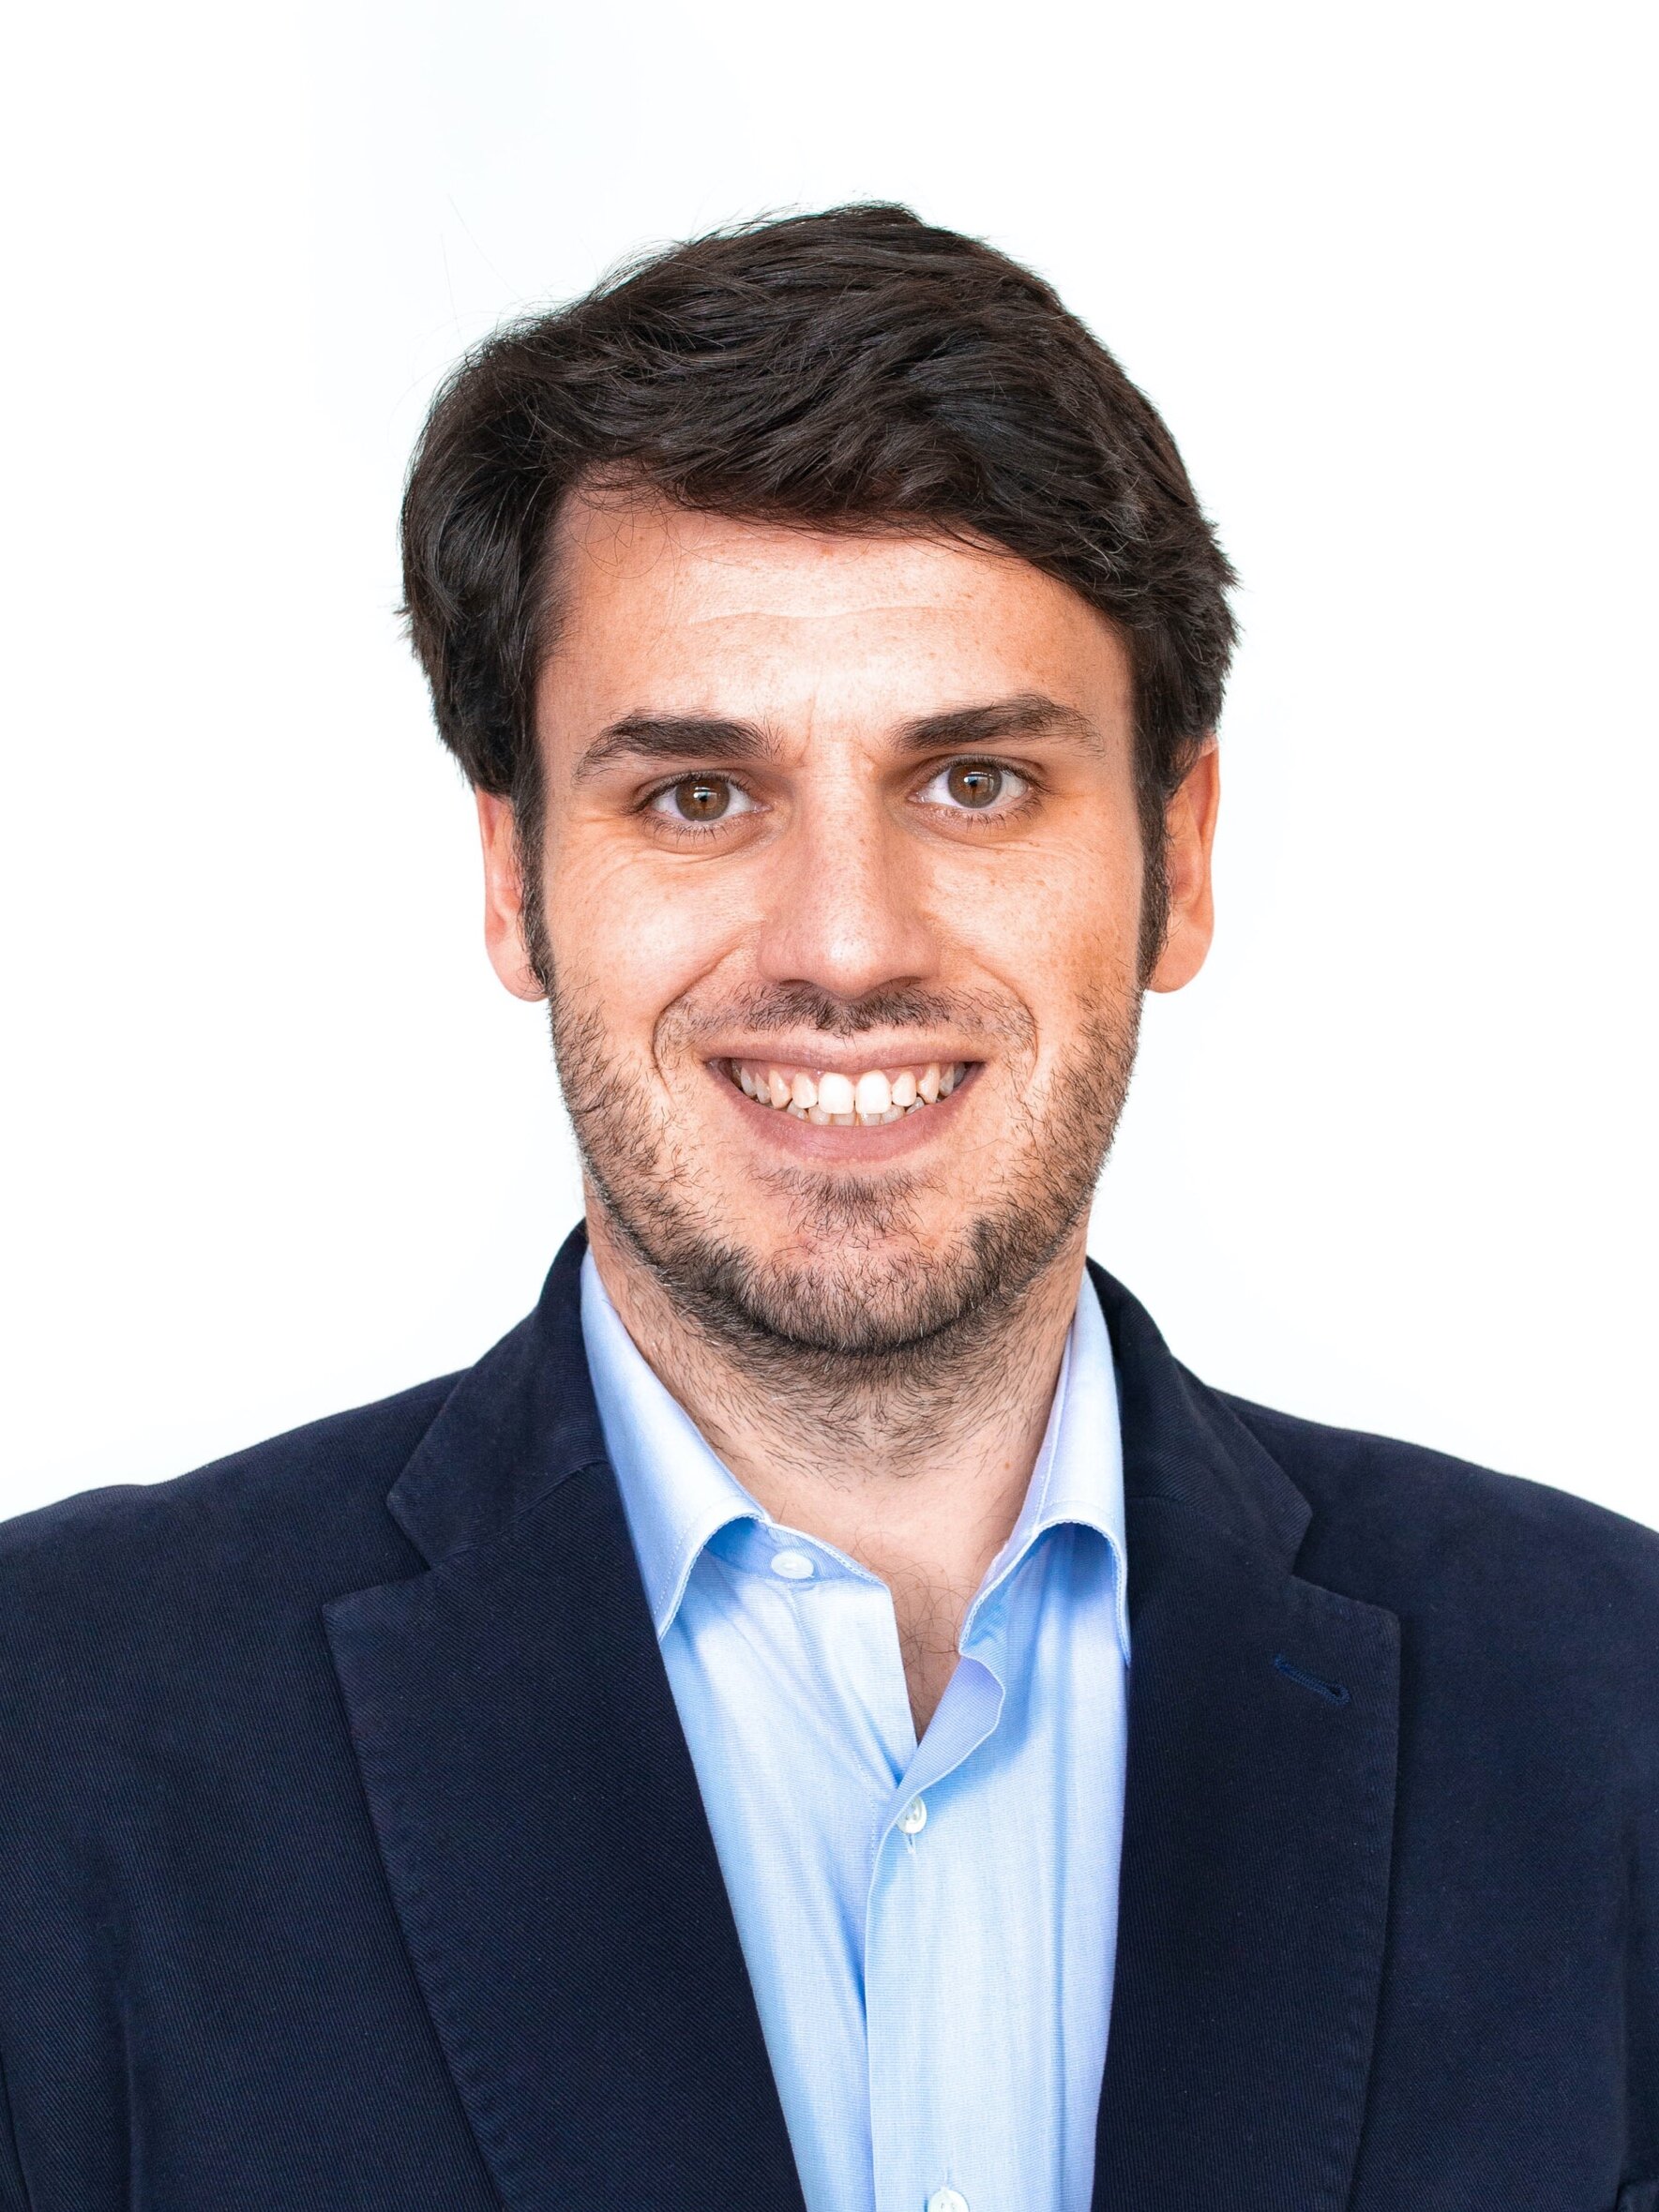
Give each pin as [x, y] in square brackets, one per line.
[539, 1815]
[1258, 1823]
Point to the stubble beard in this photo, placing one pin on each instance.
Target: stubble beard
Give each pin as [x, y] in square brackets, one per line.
[857, 1299]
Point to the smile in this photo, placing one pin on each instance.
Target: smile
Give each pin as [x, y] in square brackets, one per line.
[830, 1099]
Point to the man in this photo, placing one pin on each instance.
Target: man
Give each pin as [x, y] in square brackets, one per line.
[828, 1713]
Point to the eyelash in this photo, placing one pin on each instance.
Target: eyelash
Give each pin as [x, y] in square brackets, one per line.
[1011, 812]
[679, 827]
[695, 832]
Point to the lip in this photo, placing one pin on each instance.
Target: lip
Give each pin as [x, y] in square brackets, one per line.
[830, 1146]
[852, 1060]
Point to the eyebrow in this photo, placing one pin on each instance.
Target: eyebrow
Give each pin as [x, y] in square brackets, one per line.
[712, 740]
[709, 740]
[1027, 713]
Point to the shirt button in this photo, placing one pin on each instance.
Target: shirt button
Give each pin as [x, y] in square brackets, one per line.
[947, 2200]
[792, 1566]
[913, 1819]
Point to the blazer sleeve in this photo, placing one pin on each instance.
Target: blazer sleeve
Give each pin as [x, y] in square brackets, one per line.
[14, 2196]
[1642, 1998]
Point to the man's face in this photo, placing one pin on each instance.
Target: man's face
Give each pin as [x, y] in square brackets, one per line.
[841, 880]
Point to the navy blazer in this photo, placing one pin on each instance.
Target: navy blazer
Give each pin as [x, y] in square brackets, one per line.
[350, 1854]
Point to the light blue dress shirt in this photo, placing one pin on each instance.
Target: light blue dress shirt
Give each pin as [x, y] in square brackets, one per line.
[929, 1928]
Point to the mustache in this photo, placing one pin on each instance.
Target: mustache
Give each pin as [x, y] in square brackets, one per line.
[892, 1006]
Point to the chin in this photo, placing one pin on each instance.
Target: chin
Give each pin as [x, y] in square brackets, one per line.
[848, 1292]
[844, 1319]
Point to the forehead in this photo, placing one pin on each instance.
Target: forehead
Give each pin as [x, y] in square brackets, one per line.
[657, 606]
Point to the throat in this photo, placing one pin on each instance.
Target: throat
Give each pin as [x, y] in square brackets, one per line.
[916, 1467]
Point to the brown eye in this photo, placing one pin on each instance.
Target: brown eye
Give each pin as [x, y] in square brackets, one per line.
[974, 783]
[700, 801]
[701, 798]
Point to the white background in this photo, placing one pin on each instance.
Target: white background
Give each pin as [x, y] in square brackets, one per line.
[276, 1140]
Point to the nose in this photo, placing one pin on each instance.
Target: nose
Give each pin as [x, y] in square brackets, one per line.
[843, 908]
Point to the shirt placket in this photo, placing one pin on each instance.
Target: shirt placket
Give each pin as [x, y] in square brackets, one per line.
[915, 2036]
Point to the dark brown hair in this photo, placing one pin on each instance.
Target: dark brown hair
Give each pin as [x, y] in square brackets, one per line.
[853, 368]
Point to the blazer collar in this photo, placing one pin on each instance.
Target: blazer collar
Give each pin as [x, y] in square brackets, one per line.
[1182, 1443]
[545, 1844]
[511, 1430]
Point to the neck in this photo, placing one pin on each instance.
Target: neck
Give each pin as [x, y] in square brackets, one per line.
[918, 1471]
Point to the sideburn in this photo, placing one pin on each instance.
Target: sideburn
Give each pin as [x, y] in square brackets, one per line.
[526, 798]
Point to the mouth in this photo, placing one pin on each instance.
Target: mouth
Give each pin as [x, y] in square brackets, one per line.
[833, 1098]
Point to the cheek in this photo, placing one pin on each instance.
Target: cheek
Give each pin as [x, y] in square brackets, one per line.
[1059, 924]
[631, 934]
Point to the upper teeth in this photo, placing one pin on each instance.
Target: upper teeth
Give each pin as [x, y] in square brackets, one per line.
[825, 1095]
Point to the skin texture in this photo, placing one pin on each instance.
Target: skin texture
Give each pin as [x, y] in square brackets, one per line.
[867, 1324]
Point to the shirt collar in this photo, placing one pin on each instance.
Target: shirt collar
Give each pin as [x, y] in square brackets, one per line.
[1078, 1475]
[677, 1493]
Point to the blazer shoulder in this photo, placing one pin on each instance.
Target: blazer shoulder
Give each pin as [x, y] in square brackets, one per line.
[1518, 1563]
[295, 1498]
[1428, 1499]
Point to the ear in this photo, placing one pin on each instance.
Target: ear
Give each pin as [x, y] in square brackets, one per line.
[504, 898]
[1189, 826]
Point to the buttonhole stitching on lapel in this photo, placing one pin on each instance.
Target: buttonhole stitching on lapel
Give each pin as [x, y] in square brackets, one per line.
[1332, 1691]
